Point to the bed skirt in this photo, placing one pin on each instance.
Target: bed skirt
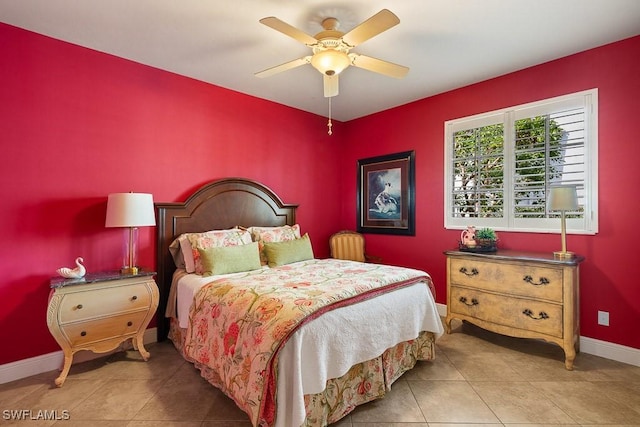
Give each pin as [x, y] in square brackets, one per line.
[363, 383]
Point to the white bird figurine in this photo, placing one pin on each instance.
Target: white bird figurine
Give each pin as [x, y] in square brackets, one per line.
[73, 273]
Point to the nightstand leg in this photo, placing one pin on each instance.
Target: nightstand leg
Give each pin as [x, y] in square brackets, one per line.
[68, 358]
[138, 344]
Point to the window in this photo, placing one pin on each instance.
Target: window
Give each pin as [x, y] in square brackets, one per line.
[500, 166]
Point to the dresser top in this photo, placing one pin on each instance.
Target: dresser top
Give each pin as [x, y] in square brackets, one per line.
[101, 276]
[508, 254]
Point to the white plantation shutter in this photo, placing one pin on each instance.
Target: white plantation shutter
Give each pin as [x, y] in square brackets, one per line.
[501, 165]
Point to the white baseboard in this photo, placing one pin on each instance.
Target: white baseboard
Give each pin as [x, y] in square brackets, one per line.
[52, 361]
[608, 350]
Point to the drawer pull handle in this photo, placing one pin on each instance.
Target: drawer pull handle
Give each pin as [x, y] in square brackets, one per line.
[83, 333]
[133, 298]
[543, 281]
[129, 323]
[541, 316]
[79, 307]
[474, 271]
[473, 301]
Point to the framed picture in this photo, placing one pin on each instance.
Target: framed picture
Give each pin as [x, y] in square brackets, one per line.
[386, 194]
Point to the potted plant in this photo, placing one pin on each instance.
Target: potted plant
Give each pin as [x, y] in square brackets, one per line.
[486, 237]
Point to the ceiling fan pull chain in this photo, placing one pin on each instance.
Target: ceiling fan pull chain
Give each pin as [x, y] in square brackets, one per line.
[329, 124]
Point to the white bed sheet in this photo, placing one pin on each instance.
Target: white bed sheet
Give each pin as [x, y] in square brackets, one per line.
[310, 358]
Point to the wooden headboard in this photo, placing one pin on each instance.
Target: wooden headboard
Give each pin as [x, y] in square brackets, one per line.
[221, 204]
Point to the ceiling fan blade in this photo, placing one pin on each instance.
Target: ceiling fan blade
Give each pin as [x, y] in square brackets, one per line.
[330, 85]
[288, 30]
[378, 66]
[283, 67]
[373, 26]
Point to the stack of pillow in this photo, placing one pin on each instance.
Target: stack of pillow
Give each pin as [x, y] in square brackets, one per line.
[240, 249]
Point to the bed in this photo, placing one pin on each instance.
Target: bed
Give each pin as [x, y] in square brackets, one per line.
[273, 337]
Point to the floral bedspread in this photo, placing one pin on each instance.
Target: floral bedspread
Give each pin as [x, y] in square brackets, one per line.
[237, 325]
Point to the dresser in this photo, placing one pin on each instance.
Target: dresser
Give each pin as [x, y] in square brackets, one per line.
[99, 312]
[520, 294]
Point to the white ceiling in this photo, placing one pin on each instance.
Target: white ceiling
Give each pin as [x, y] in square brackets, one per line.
[445, 43]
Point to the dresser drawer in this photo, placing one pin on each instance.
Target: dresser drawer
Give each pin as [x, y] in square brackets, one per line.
[521, 313]
[524, 279]
[90, 304]
[79, 333]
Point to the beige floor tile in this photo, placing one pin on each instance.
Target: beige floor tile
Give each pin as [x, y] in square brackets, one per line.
[117, 400]
[180, 400]
[390, 425]
[13, 392]
[588, 403]
[224, 424]
[93, 423]
[464, 425]
[519, 402]
[484, 366]
[223, 408]
[440, 368]
[451, 402]
[65, 398]
[541, 367]
[398, 405]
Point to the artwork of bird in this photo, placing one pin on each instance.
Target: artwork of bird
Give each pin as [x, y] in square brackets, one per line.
[73, 273]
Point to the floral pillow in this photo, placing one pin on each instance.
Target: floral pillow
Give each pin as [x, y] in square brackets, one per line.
[282, 233]
[214, 238]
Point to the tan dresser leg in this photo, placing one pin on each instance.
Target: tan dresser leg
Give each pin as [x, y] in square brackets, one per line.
[569, 357]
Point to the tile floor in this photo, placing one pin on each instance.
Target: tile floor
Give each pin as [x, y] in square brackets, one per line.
[477, 379]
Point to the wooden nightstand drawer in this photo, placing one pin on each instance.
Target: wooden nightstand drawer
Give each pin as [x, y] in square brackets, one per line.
[517, 279]
[521, 313]
[103, 329]
[100, 302]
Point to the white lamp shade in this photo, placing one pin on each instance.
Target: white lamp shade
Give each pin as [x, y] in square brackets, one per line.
[130, 210]
[563, 198]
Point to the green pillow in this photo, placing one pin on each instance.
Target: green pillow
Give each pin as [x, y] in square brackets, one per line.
[229, 259]
[281, 253]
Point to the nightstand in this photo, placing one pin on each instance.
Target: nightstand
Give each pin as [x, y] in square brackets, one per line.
[99, 312]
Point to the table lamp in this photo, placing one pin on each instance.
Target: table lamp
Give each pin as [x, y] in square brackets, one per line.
[130, 210]
[563, 198]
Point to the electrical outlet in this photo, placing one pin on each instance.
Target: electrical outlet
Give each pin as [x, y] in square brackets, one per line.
[603, 318]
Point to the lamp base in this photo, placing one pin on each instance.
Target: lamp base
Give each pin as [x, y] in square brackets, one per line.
[129, 271]
[563, 255]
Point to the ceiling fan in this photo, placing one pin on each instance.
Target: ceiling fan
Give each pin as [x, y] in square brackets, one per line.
[331, 49]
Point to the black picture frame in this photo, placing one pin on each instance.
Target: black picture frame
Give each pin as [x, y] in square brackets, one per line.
[386, 194]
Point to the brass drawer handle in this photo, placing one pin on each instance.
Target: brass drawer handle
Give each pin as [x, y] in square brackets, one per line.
[133, 298]
[474, 271]
[473, 301]
[543, 281]
[541, 316]
[79, 307]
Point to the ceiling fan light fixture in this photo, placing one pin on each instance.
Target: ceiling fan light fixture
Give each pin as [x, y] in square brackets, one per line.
[330, 62]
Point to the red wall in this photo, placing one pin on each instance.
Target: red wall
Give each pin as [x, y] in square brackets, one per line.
[76, 125]
[608, 276]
